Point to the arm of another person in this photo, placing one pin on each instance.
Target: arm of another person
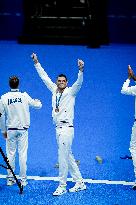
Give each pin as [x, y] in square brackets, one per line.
[77, 85]
[43, 75]
[35, 103]
[3, 120]
[126, 89]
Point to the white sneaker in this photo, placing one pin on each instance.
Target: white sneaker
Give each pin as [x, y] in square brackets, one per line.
[79, 186]
[10, 182]
[24, 183]
[60, 190]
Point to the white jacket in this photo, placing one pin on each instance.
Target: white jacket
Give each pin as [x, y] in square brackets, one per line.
[67, 101]
[14, 110]
[129, 90]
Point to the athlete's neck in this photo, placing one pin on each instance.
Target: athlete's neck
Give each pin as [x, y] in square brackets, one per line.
[60, 90]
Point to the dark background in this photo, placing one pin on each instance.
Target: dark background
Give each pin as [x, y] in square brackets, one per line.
[113, 20]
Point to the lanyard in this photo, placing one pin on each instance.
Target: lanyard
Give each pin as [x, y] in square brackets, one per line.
[58, 100]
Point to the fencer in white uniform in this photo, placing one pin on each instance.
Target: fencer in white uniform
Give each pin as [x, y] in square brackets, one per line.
[131, 90]
[14, 124]
[63, 102]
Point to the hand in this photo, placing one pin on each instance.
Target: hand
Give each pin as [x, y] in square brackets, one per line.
[80, 64]
[131, 73]
[34, 57]
[37, 100]
[5, 135]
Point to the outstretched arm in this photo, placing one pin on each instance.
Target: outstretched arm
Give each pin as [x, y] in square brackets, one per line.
[43, 75]
[3, 120]
[35, 103]
[77, 85]
[125, 88]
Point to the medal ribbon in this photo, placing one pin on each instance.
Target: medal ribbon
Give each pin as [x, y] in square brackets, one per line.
[58, 100]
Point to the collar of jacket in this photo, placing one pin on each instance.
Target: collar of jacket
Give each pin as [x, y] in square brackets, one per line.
[14, 90]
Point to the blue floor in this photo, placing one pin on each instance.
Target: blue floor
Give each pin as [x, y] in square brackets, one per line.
[38, 192]
[103, 121]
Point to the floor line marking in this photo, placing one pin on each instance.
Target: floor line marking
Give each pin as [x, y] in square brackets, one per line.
[91, 181]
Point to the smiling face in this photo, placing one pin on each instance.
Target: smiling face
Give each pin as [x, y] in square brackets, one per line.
[61, 83]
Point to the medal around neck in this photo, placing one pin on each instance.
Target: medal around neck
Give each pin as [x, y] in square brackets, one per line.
[58, 102]
[56, 109]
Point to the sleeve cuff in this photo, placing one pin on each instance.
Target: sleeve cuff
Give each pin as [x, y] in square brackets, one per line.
[37, 64]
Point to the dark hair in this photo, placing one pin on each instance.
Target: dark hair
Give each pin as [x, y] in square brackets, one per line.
[62, 75]
[13, 82]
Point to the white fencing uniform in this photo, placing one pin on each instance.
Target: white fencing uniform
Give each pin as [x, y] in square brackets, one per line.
[131, 91]
[64, 124]
[15, 120]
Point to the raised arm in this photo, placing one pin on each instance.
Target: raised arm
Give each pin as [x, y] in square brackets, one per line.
[77, 85]
[126, 89]
[43, 75]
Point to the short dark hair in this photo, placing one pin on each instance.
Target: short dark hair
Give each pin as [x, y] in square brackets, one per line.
[13, 82]
[62, 75]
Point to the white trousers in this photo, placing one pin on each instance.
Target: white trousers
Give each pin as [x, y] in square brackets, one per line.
[17, 139]
[66, 159]
[133, 146]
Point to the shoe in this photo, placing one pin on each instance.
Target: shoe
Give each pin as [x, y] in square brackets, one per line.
[134, 186]
[60, 190]
[79, 186]
[24, 183]
[10, 182]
